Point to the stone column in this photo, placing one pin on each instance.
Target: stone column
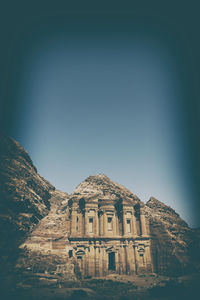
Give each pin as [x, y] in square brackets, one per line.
[149, 265]
[131, 258]
[124, 222]
[120, 260]
[86, 262]
[97, 222]
[83, 265]
[92, 260]
[134, 225]
[101, 224]
[103, 258]
[104, 224]
[67, 214]
[86, 221]
[148, 255]
[136, 259]
[147, 227]
[68, 222]
[106, 262]
[114, 225]
[105, 267]
[143, 222]
[117, 224]
[122, 254]
[126, 257]
[117, 262]
[80, 223]
[100, 261]
[97, 259]
[73, 220]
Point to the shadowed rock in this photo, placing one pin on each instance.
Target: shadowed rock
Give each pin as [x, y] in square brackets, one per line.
[24, 199]
[175, 246]
[33, 215]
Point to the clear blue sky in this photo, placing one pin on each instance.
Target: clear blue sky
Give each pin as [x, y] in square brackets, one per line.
[105, 104]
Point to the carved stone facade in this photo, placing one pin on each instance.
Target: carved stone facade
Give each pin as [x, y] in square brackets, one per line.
[108, 236]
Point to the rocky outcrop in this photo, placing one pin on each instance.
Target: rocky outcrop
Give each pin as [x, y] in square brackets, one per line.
[46, 249]
[24, 199]
[50, 234]
[101, 186]
[33, 215]
[175, 246]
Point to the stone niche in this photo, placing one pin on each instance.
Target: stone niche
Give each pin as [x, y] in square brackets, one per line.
[108, 237]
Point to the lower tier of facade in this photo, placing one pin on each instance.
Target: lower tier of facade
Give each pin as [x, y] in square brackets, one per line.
[100, 257]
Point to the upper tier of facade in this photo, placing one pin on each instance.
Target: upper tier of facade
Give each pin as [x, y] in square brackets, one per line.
[105, 218]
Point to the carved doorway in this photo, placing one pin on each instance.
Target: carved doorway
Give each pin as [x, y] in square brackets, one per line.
[111, 261]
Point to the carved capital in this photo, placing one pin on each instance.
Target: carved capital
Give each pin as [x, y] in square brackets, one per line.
[100, 213]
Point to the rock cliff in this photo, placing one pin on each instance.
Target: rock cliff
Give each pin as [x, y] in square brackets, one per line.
[24, 199]
[45, 251]
[101, 186]
[175, 246]
[33, 216]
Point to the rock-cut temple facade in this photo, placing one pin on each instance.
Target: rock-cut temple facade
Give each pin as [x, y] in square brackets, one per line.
[108, 236]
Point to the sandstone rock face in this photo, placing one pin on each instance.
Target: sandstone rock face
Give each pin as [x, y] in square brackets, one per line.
[24, 198]
[175, 246]
[46, 249]
[51, 232]
[101, 186]
[33, 215]
[107, 229]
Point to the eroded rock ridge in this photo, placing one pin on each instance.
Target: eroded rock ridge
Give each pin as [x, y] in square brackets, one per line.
[38, 218]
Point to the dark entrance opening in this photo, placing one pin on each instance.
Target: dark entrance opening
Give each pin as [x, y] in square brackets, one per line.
[111, 261]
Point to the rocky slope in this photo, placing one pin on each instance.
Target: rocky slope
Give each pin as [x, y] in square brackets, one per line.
[45, 251]
[24, 199]
[101, 186]
[175, 246]
[32, 214]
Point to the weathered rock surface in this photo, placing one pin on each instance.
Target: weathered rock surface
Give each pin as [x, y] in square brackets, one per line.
[175, 246]
[33, 216]
[101, 186]
[24, 199]
[46, 249]
[47, 246]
